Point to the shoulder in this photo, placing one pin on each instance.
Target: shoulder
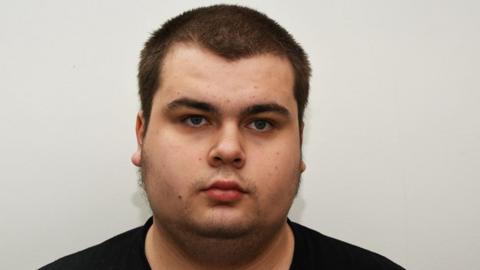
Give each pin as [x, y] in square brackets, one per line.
[314, 250]
[122, 250]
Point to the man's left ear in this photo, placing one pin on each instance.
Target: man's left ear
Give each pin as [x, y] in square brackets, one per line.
[302, 163]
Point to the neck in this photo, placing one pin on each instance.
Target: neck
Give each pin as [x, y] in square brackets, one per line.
[263, 249]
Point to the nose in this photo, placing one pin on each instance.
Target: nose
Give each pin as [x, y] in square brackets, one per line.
[227, 148]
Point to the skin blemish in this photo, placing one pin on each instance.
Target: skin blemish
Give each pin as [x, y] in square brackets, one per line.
[179, 197]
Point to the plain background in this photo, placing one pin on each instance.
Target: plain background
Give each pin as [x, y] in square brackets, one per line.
[392, 141]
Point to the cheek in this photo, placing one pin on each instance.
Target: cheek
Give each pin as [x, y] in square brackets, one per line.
[279, 170]
[170, 166]
[174, 152]
[277, 188]
[281, 157]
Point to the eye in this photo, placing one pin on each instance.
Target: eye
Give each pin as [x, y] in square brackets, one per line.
[195, 121]
[260, 125]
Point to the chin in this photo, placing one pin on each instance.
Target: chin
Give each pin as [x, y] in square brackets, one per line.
[223, 232]
[224, 226]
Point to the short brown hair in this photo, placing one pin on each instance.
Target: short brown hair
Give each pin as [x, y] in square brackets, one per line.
[231, 31]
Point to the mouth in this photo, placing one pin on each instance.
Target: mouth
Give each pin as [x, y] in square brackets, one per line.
[225, 191]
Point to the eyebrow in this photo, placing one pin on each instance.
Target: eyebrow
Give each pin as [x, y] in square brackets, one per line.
[265, 107]
[192, 103]
[209, 108]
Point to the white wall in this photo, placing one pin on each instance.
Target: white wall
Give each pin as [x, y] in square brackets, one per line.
[392, 140]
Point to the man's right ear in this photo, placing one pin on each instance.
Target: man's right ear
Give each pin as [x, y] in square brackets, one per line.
[139, 132]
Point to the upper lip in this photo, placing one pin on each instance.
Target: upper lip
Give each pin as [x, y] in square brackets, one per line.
[226, 185]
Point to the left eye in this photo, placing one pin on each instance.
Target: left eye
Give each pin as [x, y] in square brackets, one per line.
[195, 121]
[260, 125]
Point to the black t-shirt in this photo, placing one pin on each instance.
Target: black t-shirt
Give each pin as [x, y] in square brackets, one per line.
[312, 251]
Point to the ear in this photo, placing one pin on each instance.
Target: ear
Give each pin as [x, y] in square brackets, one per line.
[139, 131]
[302, 163]
[302, 166]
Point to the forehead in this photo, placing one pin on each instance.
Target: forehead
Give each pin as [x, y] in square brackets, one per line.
[195, 72]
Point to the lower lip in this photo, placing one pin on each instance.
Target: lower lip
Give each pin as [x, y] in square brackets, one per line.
[228, 195]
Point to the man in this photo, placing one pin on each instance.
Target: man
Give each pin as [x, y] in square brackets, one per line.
[223, 90]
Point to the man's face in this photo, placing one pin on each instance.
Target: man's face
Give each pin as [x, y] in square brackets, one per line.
[221, 156]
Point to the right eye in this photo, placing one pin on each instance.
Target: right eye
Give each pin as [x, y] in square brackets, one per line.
[195, 121]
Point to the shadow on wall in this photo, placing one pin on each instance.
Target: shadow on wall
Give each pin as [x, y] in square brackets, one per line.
[139, 199]
[298, 207]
